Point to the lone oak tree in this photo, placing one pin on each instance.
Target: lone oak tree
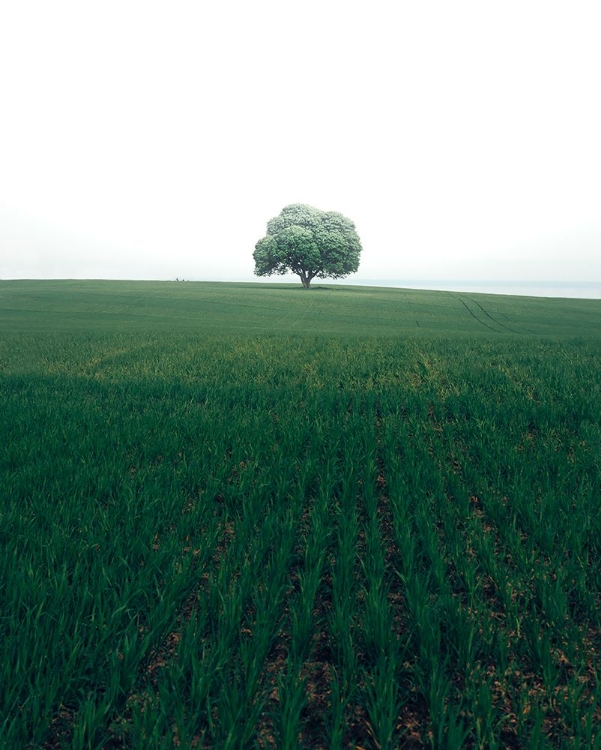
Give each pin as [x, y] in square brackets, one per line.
[310, 243]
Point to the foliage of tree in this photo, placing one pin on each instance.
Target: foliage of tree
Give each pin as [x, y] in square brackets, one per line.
[310, 243]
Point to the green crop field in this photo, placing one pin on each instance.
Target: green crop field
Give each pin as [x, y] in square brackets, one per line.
[250, 515]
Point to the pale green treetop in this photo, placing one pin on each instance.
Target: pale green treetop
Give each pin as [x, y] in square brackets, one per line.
[310, 243]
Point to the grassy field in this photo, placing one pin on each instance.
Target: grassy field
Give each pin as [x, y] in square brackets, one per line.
[127, 306]
[246, 515]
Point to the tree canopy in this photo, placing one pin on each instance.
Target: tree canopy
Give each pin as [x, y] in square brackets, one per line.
[310, 243]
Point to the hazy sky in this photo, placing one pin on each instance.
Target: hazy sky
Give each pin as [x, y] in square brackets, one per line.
[155, 140]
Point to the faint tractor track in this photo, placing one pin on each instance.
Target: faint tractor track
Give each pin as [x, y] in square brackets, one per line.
[474, 316]
[296, 320]
[412, 310]
[504, 327]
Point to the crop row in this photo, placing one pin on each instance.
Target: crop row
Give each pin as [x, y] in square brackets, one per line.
[284, 542]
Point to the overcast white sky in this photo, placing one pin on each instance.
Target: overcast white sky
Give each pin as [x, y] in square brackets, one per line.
[155, 140]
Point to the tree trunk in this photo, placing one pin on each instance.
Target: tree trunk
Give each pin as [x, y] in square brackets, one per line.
[305, 279]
